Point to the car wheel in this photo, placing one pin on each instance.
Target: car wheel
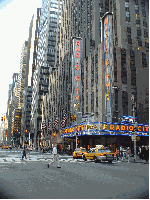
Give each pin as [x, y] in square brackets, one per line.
[95, 159]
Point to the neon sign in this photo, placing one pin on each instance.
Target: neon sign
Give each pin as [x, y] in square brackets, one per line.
[110, 127]
[76, 75]
[106, 60]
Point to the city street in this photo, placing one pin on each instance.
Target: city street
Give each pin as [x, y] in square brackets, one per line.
[32, 178]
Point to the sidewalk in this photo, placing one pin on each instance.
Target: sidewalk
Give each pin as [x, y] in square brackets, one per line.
[138, 160]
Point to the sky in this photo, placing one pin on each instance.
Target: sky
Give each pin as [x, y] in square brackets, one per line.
[15, 18]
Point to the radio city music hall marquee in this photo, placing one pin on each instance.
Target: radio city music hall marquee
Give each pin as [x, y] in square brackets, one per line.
[112, 127]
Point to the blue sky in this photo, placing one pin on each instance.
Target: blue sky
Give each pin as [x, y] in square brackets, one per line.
[15, 18]
[4, 3]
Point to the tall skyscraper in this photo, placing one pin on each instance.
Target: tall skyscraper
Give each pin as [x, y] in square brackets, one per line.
[47, 52]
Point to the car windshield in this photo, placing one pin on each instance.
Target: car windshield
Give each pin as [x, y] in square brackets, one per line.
[82, 150]
[104, 150]
[77, 149]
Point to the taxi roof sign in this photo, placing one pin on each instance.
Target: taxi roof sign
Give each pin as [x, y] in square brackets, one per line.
[99, 146]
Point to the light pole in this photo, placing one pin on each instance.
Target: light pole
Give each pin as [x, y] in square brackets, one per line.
[135, 125]
[76, 140]
[134, 133]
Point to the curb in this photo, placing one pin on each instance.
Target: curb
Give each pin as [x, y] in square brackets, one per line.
[135, 161]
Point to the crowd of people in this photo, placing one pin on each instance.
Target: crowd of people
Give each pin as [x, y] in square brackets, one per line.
[126, 153]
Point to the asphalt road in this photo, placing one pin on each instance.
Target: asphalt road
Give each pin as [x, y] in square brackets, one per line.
[75, 179]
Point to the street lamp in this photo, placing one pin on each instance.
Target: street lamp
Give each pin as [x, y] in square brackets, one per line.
[135, 125]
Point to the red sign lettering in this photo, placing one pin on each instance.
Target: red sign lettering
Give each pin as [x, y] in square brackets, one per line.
[78, 43]
[77, 55]
[77, 78]
[77, 67]
[77, 49]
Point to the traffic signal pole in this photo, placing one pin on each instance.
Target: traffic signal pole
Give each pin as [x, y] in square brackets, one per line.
[76, 141]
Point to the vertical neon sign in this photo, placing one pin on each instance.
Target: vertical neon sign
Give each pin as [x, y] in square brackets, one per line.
[108, 61]
[76, 75]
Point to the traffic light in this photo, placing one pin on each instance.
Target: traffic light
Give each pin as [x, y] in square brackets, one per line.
[1, 118]
[4, 118]
[54, 134]
[107, 97]
[26, 130]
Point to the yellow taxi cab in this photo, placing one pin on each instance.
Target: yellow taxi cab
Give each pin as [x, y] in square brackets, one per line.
[5, 146]
[89, 154]
[99, 154]
[104, 155]
[79, 152]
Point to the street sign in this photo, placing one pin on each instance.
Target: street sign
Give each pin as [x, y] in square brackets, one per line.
[133, 137]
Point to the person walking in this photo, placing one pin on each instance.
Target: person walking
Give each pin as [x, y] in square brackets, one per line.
[24, 153]
[117, 154]
[55, 153]
[128, 154]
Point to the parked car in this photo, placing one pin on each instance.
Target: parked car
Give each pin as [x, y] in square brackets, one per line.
[5, 146]
[79, 152]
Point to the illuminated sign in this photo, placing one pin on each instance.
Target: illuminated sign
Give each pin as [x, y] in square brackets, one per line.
[108, 127]
[108, 59]
[76, 75]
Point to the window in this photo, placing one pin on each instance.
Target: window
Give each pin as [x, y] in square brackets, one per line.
[127, 9]
[145, 33]
[146, 44]
[129, 39]
[123, 66]
[125, 103]
[127, 19]
[106, 5]
[144, 62]
[139, 32]
[138, 21]
[144, 23]
[140, 42]
[133, 77]
[128, 30]
[127, 14]
[143, 13]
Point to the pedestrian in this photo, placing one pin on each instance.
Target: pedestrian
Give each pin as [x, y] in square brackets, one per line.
[117, 154]
[128, 154]
[54, 153]
[121, 151]
[24, 154]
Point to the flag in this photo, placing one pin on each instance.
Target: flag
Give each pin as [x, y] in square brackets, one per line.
[43, 125]
[63, 121]
[55, 121]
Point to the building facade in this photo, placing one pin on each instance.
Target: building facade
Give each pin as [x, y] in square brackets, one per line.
[47, 59]
[114, 58]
